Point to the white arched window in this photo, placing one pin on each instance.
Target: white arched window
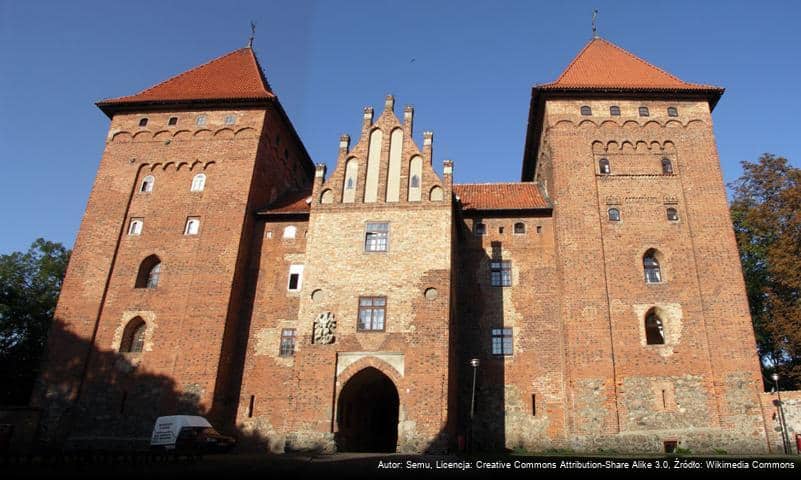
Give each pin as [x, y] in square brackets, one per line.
[199, 182]
[290, 231]
[147, 184]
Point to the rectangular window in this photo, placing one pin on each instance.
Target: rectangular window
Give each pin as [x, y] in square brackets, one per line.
[501, 273]
[480, 229]
[376, 237]
[295, 278]
[501, 341]
[287, 342]
[371, 313]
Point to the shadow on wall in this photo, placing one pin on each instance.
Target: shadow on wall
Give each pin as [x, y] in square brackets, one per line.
[480, 330]
[117, 405]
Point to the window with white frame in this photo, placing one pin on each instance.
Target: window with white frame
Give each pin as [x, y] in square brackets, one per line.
[135, 226]
[295, 278]
[192, 226]
[376, 237]
[198, 182]
[147, 184]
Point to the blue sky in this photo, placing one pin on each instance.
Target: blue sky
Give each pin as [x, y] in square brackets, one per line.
[470, 81]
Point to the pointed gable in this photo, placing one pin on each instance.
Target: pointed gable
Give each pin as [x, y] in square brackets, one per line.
[235, 76]
[602, 64]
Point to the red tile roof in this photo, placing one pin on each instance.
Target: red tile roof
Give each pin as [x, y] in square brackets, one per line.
[602, 64]
[292, 202]
[500, 196]
[234, 76]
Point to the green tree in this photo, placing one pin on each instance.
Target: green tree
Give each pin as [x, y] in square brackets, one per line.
[29, 286]
[766, 212]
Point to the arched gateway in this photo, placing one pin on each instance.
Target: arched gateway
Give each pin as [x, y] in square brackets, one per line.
[367, 413]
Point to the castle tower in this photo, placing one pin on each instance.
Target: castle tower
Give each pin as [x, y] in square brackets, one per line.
[659, 346]
[148, 321]
[351, 339]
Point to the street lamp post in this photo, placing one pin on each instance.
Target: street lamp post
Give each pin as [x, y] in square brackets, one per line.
[785, 441]
[473, 363]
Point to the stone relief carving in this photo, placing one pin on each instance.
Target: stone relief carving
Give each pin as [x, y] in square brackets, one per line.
[324, 326]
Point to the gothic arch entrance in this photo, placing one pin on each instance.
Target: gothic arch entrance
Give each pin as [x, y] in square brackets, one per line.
[367, 413]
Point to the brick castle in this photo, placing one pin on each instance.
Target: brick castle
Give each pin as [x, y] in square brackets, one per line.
[219, 270]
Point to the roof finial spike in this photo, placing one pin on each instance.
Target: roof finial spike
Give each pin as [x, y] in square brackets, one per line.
[594, 30]
[252, 33]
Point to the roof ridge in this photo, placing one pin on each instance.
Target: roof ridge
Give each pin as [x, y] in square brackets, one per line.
[498, 183]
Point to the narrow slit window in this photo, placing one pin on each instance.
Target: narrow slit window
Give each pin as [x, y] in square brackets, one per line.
[295, 278]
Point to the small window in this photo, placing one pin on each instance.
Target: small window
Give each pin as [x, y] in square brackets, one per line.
[290, 231]
[501, 273]
[149, 272]
[133, 337]
[287, 342]
[371, 313]
[614, 215]
[135, 226]
[192, 226]
[667, 167]
[147, 184]
[230, 119]
[653, 273]
[672, 214]
[502, 341]
[604, 167]
[500, 230]
[614, 110]
[295, 278]
[143, 122]
[670, 446]
[654, 331]
[172, 121]
[586, 110]
[200, 120]
[198, 182]
[673, 112]
[644, 112]
[376, 237]
[520, 228]
[415, 183]
[349, 184]
[480, 229]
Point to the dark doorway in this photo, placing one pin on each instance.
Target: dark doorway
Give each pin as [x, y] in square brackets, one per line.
[367, 413]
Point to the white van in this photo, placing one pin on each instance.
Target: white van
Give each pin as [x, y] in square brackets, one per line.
[188, 433]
